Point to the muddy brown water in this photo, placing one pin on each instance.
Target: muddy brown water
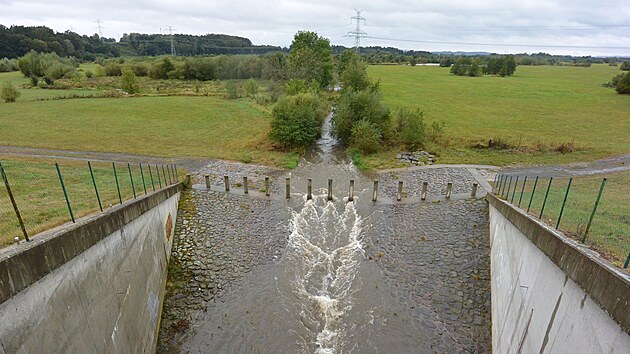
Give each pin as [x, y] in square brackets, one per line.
[323, 294]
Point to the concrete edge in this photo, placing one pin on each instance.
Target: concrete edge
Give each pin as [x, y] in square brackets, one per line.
[607, 285]
[23, 264]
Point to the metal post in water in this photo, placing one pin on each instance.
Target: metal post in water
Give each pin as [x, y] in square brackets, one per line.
[245, 186]
[267, 191]
[474, 190]
[564, 202]
[425, 186]
[514, 191]
[117, 184]
[330, 192]
[375, 191]
[309, 189]
[133, 188]
[400, 188]
[13, 203]
[522, 190]
[151, 175]
[351, 192]
[590, 219]
[65, 193]
[144, 185]
[226, 181]
[449, 189]
[288, 188]
[531, 198]
[542, 209]
[207, 177]
[98, 197]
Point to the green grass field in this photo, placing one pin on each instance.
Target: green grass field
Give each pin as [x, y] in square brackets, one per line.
[546, 105]
[610, 230]
[177, 126]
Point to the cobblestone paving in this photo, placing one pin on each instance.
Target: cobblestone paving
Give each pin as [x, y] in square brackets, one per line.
[437, 178]
[218, 239]
[434, 256]
[439, 266]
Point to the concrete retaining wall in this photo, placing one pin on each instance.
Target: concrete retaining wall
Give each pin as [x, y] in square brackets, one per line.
[91, 287]
[549, 293]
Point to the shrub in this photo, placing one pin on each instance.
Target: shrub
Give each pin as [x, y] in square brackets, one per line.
[140, 69]
[365, 137]
[623, 85]
[89, 74]
[232, 90]
[9, 92]
[354, 106]
[250, 88]
[411, 128]
[354, 75]
[625, 65]
[296, 86]
[297, 120]
[128, 81]
[8, 65]
[113, 69]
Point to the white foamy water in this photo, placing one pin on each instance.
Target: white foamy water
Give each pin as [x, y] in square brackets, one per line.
[326, 248]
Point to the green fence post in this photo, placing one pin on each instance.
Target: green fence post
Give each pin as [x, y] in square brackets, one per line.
[514, 191]
[65, 193]
[542, 209]
[508, 188]
[498, 189]
[590, 220]
[176, 174]
[144, 185]
[165, 177]
[117, 185]
[531, 198]
[158, 173]
[133, 188]
[625, 265]
[522, 191]
[494, 185]
[13, 203]
[564, 202]
[98, 197]
[151, 175]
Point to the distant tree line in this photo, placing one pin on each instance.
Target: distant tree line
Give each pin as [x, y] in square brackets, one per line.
[494, 65]
[16, 41]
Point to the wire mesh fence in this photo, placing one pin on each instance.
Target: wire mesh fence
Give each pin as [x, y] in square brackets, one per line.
[38, 194]
[592, 209]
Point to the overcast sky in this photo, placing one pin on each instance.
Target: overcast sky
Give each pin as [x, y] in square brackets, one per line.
[575, 27]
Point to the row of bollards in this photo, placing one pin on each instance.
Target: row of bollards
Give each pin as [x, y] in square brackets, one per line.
[329, 195]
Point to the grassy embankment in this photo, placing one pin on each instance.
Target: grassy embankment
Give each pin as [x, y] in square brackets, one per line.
[536, 110]
[610, 230]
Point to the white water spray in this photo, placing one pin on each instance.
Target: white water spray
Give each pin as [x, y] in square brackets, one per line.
[326, 246]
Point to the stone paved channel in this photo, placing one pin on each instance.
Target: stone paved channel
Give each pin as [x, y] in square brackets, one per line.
[422, 282]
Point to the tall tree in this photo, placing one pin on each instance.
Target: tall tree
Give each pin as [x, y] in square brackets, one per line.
[311, 58]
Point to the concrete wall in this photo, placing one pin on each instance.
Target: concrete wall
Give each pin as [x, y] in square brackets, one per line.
[91, 287]
[550, 294]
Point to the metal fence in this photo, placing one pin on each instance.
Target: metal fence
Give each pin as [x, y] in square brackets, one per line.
[38, 194]
[582, 207]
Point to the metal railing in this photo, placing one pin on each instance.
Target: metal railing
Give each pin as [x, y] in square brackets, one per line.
[581, 207]
[38, 194]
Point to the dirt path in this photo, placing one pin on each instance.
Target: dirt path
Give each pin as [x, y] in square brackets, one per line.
[609, 165]
[190, 164]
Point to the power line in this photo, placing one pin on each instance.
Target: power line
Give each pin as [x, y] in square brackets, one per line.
[357, 33]
[496, 44]
[170, 31]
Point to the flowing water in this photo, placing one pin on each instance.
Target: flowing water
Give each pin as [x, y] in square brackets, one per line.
[322, 295]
